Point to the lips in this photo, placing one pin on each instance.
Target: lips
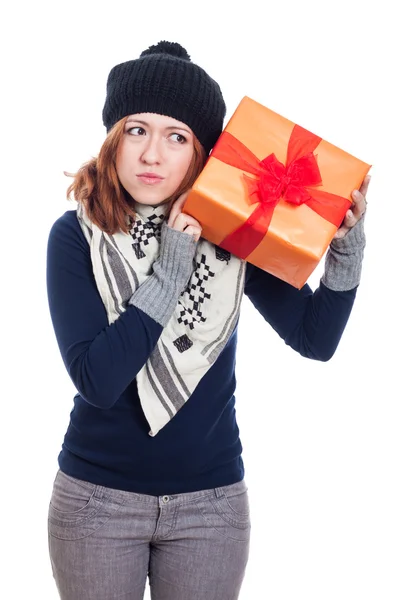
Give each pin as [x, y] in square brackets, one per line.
[150, 178]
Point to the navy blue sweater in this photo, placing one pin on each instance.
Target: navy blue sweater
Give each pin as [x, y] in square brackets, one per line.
[107, 441]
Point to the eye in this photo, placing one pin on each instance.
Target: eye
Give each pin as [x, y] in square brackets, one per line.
[136, 131]
[177, 137]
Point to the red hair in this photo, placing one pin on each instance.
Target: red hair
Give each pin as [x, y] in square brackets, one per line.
[96, 184]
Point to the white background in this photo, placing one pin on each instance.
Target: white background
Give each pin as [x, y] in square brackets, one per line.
[321, 441]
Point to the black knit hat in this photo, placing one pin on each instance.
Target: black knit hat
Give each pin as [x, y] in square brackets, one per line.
[163, 80]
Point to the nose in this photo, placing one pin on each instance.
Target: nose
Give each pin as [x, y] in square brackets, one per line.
[151, 154]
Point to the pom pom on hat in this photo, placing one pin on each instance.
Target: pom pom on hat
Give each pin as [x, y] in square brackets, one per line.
[171, 48]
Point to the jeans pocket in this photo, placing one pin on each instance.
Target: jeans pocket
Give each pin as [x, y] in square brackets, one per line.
[78, 508]
[236, 505]
[228, 512]
[234, 509]
[72, 498]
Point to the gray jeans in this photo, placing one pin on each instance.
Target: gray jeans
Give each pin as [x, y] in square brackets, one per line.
[104, 543]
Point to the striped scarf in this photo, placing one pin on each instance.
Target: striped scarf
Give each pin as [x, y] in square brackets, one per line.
[202, 323]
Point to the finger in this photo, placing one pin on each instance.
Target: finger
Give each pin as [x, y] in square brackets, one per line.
[359, 204]
[350, 219]
[341, 232]
[180, 202]
[194, 231]
[177, 208]
[183, 220]
[175, 211]
[364, 185]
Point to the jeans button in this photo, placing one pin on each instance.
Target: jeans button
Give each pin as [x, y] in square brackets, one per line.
[165, 499]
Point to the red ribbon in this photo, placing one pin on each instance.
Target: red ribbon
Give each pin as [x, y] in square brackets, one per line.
[274, 181]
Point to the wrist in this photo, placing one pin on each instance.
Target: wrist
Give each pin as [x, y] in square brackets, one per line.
[177, 251]
[353, 241]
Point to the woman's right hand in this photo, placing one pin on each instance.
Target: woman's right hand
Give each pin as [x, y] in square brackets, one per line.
[182, 222]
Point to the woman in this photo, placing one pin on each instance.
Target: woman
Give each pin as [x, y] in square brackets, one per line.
[151, 479]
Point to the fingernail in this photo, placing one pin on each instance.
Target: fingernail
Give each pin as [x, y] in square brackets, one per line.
[355, 194]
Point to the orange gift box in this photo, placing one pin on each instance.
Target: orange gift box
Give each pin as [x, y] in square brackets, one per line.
[273, 193]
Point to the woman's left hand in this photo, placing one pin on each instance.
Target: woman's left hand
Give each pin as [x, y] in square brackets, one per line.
[356, 211]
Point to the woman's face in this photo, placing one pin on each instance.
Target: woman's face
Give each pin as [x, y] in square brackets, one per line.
[153, 157]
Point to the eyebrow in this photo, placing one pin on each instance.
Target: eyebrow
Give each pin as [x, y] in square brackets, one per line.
[174, 127]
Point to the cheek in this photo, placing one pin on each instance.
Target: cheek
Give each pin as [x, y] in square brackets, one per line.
[183, 165]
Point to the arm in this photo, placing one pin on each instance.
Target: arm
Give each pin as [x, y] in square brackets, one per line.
[102, 359]
[312, 323]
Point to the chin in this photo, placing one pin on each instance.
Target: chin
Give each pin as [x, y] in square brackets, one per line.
[150, 199]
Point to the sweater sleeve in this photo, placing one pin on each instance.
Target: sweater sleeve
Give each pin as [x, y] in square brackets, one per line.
[101, 359]
[159, 294]
[344, 258]
[312, 323]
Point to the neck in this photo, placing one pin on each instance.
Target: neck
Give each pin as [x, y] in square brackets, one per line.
[146, 210]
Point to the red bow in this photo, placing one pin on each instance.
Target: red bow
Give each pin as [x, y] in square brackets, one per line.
[289, 183]
[274, 181]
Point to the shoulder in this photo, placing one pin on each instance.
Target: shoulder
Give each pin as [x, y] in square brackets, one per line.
[66, 240]
[67, 229]
[68, 222]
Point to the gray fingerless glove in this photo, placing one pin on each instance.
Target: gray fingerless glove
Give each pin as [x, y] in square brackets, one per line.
[159, 294]
[343, 260]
